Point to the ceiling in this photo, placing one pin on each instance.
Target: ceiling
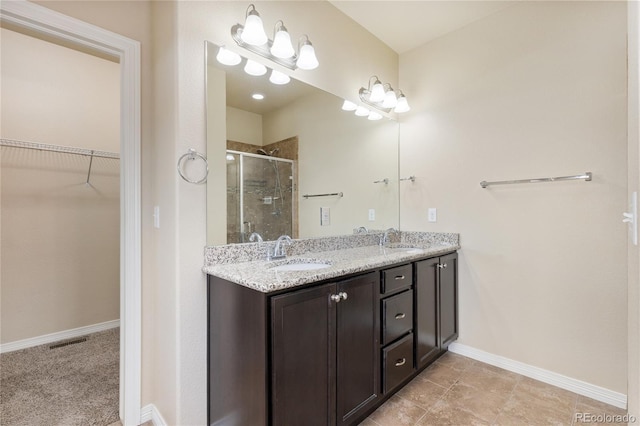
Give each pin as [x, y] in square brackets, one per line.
[405, 25]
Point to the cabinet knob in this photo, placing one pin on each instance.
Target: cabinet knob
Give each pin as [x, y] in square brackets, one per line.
[335, 298]
[442, 265]
[400, 362]
[343, 295]
[400, 316]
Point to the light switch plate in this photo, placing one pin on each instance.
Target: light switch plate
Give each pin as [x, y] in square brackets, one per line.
[156, 217]
[325, 216]
[432, 215]
[372, 215]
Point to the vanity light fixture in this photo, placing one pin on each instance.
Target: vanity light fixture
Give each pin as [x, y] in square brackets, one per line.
[253, 32]
[252, 37]
[374, 116]
[349, 106]
[279, 78]
[362, 111]
[227, 57]
[254, 68]
[403, 105]
[383, 97]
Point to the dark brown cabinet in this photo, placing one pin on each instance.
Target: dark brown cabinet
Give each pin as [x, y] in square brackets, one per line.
[325, 368]
[436, 306]
[328, 353]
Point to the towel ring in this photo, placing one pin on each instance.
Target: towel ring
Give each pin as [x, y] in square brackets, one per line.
[193, 155]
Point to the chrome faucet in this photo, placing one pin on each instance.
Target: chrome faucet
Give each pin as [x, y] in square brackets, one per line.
[362, 230]
[278, 250]
[255, 237]
[384, 238]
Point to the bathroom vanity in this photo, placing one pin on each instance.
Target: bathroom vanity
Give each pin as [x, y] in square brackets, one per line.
[326, 335]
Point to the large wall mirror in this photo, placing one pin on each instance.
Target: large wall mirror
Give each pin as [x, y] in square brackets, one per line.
[292, 162]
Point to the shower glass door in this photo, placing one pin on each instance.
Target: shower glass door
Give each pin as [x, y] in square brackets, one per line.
[259, 196]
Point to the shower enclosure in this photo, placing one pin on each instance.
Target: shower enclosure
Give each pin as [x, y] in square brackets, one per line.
[259, 196]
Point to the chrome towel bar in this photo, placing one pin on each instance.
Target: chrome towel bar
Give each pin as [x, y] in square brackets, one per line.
[587, 177]
[334, 194]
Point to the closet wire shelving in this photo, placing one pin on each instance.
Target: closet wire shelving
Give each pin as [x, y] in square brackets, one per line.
[91, 153]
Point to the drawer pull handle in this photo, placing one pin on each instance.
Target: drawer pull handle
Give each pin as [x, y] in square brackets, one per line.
[401, 362]
[400, 316]
[399, 277]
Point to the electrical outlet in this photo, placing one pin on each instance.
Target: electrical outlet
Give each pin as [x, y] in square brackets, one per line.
[372, 215]
[156, 216]
[432, 215]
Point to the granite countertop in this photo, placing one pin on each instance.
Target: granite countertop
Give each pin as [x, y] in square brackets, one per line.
[260, 275]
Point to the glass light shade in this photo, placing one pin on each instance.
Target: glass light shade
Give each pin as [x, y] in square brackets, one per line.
[362, 111]
[253, 31]
[349, 106]
[277, 77]
[377, 92]
[403, 105]
[374, 116]
[255, 68]
[390, 100]
[307, 59]
[282, 47]
[227, 57]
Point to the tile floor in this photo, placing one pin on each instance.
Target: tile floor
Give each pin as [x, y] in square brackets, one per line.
[456, 390]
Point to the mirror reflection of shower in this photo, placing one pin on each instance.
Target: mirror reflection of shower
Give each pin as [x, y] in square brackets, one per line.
[259, 195]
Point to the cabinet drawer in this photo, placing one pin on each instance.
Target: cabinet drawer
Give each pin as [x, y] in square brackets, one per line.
[397, 362]
[397, 316]
[396, 278]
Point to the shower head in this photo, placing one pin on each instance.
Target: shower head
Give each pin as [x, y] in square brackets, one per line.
[274, 151]
[262, 151]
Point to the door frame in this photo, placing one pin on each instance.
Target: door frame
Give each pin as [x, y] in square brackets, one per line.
[53, 24]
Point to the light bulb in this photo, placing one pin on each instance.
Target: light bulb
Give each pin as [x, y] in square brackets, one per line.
[279, 78]
[377, 92]
[390, 100]
[230, 157]
[307, 59]
[349, 106]
[362, 111]
[403, 105]
[374, 116]
[227, 57]
[282, 47]
[253, 32]
[254, 68]
[258, 96]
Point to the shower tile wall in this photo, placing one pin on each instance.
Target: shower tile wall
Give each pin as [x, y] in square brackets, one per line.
[268, 206]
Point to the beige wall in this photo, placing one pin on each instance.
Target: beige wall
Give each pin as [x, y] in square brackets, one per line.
[633, 161]
[50, 218]
[339, 152]
[244, 126]
[538, 89]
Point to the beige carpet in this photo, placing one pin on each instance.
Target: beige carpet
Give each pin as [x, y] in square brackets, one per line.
[71, 385]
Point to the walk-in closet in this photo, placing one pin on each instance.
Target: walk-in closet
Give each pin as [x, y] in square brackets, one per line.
[59, 233]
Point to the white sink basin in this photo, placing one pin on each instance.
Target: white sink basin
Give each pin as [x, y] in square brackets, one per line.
[301, 265]
[405, 248]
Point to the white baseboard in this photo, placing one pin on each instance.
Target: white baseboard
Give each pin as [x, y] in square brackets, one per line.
[150, 413]
[55, 337]
[578, 386]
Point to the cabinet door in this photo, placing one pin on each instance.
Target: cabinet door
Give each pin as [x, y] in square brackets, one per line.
[357, 334]
[448, 299]
[426, 311]
[303, 357]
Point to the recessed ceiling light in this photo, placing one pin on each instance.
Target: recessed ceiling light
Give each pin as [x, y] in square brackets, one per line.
[257, 96]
